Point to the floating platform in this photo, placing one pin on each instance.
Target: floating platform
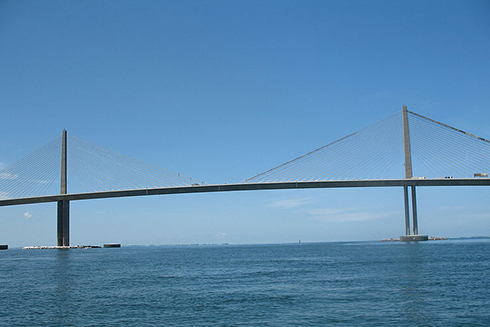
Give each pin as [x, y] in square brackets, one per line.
[112, 245]
[414, 238]
[4, 247]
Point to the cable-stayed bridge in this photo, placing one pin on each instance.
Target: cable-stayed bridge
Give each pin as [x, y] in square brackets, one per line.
[403, 150]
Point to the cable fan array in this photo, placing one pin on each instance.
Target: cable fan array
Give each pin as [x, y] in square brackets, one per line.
[34, 174]
[91, 168]
[369, 153]
[376, 152]
[97, 168]
[445, 151]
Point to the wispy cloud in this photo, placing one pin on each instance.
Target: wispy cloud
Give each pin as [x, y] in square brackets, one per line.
[290, 203]
[346, 215]
[27, 215]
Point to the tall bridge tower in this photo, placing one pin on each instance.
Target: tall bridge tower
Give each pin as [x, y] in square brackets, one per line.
[409, 175]
[63, 205]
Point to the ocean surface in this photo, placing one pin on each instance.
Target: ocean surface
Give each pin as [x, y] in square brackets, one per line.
[435, 283]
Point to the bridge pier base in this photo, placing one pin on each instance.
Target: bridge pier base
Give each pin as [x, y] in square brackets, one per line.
[63, 223]
[415, 237]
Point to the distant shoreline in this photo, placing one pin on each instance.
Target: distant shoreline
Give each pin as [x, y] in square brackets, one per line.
[245, 244]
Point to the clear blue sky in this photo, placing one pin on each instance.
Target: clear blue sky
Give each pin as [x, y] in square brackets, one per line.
[223, 90]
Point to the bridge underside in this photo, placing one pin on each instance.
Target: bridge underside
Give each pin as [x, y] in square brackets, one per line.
[249, 187]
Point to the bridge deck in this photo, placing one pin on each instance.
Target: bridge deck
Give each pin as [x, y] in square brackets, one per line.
[250, 187]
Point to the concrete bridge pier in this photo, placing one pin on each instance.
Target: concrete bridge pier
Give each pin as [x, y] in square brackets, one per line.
[407, 211]
[415, 237]
[414, 212]
[63, 223]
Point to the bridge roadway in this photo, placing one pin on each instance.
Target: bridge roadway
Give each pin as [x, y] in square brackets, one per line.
[250, 187]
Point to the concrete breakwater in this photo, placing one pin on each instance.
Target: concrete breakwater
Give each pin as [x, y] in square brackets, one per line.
[61, 247]
[42, 247]
[432, 238]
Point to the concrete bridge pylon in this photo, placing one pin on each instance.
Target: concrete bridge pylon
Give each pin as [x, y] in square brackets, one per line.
[409, 175]
[63, 235]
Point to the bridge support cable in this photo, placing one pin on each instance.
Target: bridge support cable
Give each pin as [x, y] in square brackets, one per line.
[362, 159]
[357, 157]
[437, 158]
[103, 169]
[376, 162]
[25, 176]
[32, 175]
[360, 155]
[372, 152]
[367, 159]
[446, 151]
[375, 151]
[91, 168]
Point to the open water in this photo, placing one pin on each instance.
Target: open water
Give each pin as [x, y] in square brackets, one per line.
[438, 283]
